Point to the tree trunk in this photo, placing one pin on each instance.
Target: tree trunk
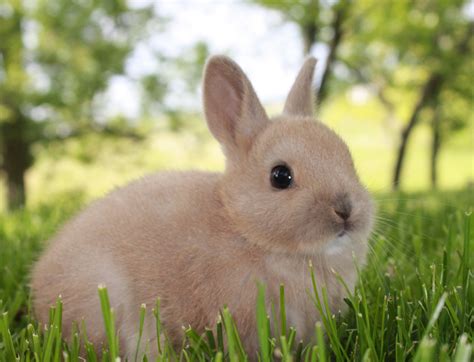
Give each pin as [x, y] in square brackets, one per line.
[435, 146]
[340, 12]
[308, 32]
[429, 94]
[16, 161]
[16, 193]
[15, 132]
[430, 91]
[309, 26]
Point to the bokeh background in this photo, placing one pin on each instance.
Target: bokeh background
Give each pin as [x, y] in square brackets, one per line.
[96, 93]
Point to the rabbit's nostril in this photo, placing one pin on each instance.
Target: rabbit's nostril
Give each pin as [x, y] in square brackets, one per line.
[343, 214]
[342, 206]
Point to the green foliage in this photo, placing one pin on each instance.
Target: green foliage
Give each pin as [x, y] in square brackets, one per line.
[56, 58]
[64, 52]
[414, 299]
[399, 53]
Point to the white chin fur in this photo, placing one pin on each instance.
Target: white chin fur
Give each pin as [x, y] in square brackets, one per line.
[338, 245]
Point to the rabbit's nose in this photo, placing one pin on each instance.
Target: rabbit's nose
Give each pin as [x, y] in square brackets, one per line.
[343, 207]
[344, 215]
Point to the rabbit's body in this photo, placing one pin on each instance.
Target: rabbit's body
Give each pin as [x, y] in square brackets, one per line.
[199, 241]
[185, 251]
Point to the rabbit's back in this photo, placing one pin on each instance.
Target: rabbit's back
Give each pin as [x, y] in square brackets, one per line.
[156, 237]
[145, 213]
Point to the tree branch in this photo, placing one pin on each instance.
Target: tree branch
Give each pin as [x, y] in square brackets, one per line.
[340, 13]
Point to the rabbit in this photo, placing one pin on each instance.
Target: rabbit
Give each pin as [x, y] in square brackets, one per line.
[289, 196]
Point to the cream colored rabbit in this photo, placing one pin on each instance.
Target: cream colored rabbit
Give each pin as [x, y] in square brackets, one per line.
[198, 240]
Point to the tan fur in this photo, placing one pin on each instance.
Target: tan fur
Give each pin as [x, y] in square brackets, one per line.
[300, 99]
[199, 241]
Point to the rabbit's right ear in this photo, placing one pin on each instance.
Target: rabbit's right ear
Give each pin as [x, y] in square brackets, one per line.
[233, 112]
[300, 101]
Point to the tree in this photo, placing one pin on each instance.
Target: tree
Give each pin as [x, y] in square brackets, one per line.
[423, 48]
[441, 78]
[318, 22]
[56, 57]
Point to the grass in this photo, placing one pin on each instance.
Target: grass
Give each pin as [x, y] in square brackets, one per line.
[414, 300]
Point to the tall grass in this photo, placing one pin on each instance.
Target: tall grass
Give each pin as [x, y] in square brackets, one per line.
[414, 299]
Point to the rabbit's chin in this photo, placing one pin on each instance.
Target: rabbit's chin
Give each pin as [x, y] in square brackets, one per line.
[344, 243]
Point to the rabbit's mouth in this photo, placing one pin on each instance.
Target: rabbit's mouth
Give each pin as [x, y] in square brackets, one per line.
[338, 244]
[342, 233]
[344, 228]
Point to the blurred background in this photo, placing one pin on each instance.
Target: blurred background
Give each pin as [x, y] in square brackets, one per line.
[96, 93]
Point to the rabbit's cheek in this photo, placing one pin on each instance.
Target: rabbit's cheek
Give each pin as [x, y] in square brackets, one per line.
[363, 221]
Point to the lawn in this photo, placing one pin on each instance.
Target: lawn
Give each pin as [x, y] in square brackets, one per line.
[414, 300]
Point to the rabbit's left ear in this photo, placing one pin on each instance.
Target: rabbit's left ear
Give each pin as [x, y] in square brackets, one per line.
[234, 113]
[300, 100]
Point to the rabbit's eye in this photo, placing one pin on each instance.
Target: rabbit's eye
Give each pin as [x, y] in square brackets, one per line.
[281, 177]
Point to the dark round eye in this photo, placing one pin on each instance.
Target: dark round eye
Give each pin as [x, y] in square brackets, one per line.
[281, 177]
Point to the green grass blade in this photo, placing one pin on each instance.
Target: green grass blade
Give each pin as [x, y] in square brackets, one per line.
[262, 325]
[463, 350]
[321, 343]
[158, 328]
[466, 270]
[231, 338]
[220, 334]
[282, 311]
[109, 323]
[58, 316]
[140, 329]
[7, 338]
[211, 341]
[425, 351]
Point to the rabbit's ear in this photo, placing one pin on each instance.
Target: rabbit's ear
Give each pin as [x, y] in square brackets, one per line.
[233, 112]
[300, 100]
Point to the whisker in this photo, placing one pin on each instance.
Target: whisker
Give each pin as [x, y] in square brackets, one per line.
[392, 224]
[403, 248]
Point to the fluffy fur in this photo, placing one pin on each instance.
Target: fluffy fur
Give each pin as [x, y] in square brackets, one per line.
[199, 241]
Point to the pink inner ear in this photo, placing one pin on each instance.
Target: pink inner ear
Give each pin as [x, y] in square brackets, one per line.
[233, 111]
[224, 105]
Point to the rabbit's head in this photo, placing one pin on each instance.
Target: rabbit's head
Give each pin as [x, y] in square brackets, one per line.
[290, 184]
